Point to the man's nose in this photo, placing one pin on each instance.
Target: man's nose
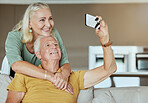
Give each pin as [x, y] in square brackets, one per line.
[53, 46]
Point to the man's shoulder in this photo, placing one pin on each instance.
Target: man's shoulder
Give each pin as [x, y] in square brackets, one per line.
[78, 73]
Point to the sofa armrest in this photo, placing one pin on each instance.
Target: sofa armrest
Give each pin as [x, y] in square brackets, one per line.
[4, 82]
[121, 95]
[85, 96]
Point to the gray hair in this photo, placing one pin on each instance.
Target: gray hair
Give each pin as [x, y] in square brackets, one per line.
[37, 43]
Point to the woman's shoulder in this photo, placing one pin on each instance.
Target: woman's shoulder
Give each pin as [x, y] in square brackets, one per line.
[15, 34]
[56, 34]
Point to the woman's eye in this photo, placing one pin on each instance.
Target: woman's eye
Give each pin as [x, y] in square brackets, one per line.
[50, 18]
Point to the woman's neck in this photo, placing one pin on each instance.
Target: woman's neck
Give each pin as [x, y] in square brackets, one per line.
[30, 45]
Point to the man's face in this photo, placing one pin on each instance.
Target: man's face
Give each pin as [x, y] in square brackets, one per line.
[49, 49]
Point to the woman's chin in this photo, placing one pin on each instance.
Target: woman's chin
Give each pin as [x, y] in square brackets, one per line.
[46, 33]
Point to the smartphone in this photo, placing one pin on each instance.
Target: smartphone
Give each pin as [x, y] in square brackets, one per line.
[92, 21]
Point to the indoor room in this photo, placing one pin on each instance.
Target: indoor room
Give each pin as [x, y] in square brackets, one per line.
[127, 22]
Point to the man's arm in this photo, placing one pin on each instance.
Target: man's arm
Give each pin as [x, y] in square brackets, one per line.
[14, 97]
[99, 74]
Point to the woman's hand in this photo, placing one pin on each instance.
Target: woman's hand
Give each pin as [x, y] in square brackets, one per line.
[102, 33]
[61, 82]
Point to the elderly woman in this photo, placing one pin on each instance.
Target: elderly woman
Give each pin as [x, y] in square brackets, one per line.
[37, 21]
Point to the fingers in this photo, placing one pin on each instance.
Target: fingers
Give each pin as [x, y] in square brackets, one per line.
[99, 17]
[65, 86]
[57, 82]
[102, 32]
[60, 83]
[69, 89]
[102, 22]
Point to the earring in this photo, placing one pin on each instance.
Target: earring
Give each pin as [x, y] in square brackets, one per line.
[30, 30]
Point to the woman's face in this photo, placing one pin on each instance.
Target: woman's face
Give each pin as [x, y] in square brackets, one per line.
[41, 22]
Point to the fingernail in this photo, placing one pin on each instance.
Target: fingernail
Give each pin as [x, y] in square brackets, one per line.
[96, 19]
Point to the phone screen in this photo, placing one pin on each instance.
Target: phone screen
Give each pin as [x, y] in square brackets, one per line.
[92, 21]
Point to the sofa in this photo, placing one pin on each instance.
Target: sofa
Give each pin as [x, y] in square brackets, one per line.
[95, 95]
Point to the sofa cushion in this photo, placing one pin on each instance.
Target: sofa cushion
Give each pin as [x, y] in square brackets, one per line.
[4, 82]
[85, 96]
[143, 94]
[105, 97]
[122, 94]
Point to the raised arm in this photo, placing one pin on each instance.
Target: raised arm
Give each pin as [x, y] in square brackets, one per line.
[99, 74]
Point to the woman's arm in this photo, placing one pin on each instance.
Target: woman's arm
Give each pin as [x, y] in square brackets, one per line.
[31, 70]
[66, 69]
[14, 48]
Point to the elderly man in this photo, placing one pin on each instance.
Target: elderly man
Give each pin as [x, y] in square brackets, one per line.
[33, 90]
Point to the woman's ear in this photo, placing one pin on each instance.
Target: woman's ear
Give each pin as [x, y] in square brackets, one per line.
[30, 24]
[38, 55]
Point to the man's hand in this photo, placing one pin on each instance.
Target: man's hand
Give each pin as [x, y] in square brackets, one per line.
[102, 33]
[61, 82]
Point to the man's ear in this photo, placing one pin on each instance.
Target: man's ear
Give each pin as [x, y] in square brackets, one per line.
[38, 55]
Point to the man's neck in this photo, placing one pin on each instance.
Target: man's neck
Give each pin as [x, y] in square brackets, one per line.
[51, 66]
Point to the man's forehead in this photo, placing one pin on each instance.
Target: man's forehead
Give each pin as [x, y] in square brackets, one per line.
[48, 39]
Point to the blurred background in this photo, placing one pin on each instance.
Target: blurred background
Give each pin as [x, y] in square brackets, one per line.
[128, 28]
[127, 21]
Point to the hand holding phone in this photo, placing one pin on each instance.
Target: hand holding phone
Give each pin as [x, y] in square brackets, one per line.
[92, 21]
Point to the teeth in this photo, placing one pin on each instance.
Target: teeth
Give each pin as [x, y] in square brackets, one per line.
[54, 53]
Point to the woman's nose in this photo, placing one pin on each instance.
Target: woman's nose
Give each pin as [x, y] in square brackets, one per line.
[48, 24]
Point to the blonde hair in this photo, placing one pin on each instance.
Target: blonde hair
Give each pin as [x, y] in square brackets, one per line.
[23, 25]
